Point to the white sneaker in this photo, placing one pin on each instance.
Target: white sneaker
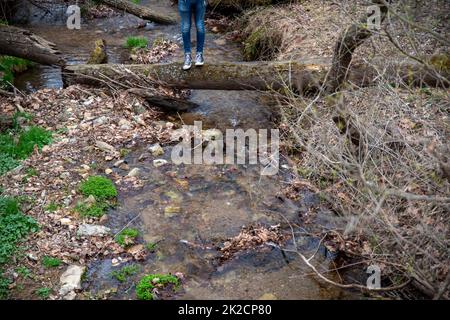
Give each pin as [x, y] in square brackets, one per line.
[187, 61]
[199, 61]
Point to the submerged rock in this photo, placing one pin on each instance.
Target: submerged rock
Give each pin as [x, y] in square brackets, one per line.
[159, 162]
[156, 150]
[135, 172]
[92, 230]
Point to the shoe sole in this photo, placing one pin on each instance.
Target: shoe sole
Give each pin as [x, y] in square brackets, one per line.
[187, 68]
[199, 64]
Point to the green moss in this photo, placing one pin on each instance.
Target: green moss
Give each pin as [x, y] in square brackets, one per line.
[144, 289]
[151, 246]
[441, 62]
[124, 152]
[9, 66]
[100, 187]
[97, 209]
[43, 292]
[127, 237]
[50, 262]
[136, 42]
[125, 272]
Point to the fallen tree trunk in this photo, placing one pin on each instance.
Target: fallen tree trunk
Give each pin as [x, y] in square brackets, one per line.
[140, 11]
[24, 44]
[301, 76]
[219, 76]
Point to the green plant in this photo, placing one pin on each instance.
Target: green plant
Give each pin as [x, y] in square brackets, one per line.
[151, 246]
[4, 286]
[125, 272]
[50, 262]
[9, 66]
[34, 136]
[99, 187]
[127, 237]
[14, 226]
[7, 163]
[144, 289]
[136, 1]
[24, 272]
[96, 209]
[16, 120]
[52, 207]
[136, 42]
[43, 292]
[124, 152]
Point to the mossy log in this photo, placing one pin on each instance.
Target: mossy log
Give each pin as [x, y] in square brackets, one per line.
[24, 44]
[218, 76]
[140, 11]
[300, 76]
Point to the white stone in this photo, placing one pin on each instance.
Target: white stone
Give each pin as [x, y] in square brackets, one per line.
[135, 172]
[92, 230]
[159, 162]
[71, 279]
[156, 150]
[65, 221]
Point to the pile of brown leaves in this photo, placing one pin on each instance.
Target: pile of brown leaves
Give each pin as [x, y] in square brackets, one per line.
[250, 238]
[160, 50]
[101, 11]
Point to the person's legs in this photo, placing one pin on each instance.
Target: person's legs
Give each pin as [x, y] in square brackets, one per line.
[199, 14]
[184, 8]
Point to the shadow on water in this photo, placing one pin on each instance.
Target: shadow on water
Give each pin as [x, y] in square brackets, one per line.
[212, 202]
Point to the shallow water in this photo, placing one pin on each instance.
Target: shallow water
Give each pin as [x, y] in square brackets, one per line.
[214, 201]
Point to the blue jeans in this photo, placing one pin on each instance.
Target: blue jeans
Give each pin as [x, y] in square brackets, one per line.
[186, 8]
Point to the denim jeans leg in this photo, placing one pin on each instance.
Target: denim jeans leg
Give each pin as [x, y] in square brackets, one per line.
[199, 13]
[184, 8]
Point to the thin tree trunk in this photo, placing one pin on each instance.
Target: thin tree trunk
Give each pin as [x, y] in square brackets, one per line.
[350, 39]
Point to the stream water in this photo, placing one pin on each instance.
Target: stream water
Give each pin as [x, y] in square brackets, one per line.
[214, 201]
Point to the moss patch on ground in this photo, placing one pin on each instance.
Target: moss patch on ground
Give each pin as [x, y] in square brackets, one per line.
[145, 287]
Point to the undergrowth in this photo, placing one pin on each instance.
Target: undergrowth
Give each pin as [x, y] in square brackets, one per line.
[127, 237]
[10, 66]
[103, 191]
[136, 42]
[145, 287]
[14, 226]
[125, 272]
